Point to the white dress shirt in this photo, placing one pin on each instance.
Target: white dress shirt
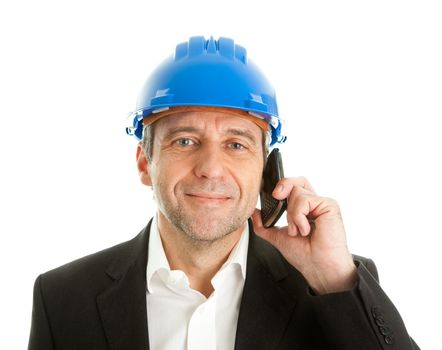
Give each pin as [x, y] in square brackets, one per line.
[181, 318]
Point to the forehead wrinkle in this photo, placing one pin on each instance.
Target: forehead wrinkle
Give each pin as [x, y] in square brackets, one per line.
[199, 123]
[175, 130]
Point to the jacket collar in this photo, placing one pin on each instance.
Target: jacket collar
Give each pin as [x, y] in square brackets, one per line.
[266, 305]
[268, 301]
[122, 306]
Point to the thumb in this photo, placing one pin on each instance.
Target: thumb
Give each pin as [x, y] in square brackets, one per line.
[273, 235]
[257, 221]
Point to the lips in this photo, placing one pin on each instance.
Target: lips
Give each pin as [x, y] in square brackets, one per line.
[206, 199]
[215, 197]
[210, 193]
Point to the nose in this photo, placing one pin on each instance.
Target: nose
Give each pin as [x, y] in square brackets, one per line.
[210, 162]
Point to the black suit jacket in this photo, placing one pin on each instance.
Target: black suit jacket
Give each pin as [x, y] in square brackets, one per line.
[99, 302]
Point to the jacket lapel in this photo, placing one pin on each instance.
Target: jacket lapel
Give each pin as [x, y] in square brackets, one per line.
[122, 306]
[266, 305]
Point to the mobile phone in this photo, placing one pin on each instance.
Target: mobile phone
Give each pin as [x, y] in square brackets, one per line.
[271, 208]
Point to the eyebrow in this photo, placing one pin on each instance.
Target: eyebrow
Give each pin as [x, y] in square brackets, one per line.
[244, 133]
[233, 131]
[177, 130]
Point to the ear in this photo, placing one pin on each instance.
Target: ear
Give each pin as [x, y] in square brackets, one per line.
[143, 166]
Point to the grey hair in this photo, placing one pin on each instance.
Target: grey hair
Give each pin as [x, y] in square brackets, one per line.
[147, 141]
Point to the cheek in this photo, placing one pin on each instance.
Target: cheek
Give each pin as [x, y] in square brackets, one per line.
[166, 176]
[251, 184]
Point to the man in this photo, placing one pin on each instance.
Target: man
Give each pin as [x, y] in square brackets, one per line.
[205, 273]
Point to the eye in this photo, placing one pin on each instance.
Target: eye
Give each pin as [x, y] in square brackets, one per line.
[236, 145]
[184, 142]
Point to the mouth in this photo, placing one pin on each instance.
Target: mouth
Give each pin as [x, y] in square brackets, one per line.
[208, 198]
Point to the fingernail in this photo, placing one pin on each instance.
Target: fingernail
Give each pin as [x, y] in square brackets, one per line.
[279, 188]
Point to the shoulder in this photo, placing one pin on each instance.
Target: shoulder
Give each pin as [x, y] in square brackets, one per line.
[87, 264]
[93, 271]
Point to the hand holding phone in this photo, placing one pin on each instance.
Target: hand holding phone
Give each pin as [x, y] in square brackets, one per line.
[271, 208]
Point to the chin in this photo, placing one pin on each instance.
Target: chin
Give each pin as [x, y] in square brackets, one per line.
[210, 229]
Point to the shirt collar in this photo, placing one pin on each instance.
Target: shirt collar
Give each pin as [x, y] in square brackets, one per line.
[157, 259]
[238, 255]
[156, 256]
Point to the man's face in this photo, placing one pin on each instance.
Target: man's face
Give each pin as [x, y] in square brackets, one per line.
[205, 172]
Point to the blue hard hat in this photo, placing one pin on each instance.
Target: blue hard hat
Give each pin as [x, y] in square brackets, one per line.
[214, 73]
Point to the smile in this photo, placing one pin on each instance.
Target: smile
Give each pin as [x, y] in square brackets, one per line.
[208, 197]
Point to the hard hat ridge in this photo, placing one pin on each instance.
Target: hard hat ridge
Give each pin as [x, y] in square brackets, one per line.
[198, 45]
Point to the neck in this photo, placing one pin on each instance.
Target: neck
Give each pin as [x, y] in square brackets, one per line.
[199, 260]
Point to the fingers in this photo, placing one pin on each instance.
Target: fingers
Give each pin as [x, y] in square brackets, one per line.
[299, 194]
[300, 208]
[285, 186]
[275, 235]
[304, 206]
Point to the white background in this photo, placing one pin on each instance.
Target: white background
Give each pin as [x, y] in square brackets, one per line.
[359, 84]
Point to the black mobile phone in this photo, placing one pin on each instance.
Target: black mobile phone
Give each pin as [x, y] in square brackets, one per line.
[271, 208]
